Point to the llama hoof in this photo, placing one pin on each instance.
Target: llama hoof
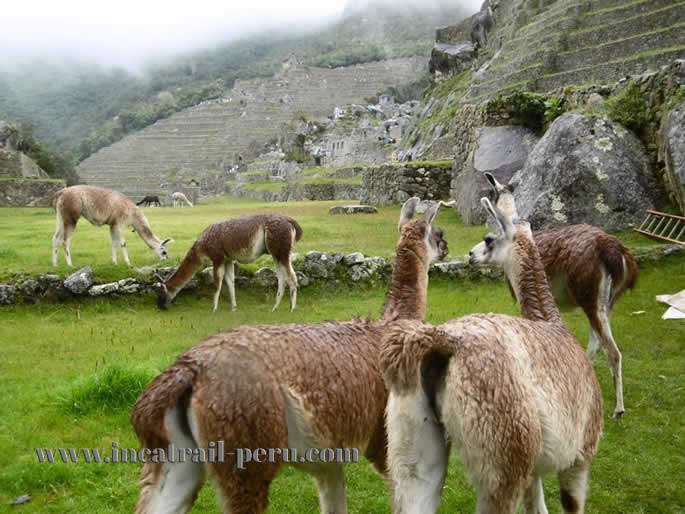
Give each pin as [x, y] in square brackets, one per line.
[234, 308]
[618, 414]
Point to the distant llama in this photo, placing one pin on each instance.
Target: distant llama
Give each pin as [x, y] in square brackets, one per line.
[241, 239]
[515, 397]
[150, 200]
[588, 268]
[179, 199]
[280, 386]
[101, 207]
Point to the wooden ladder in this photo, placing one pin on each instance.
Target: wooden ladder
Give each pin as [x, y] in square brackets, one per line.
[668, 227]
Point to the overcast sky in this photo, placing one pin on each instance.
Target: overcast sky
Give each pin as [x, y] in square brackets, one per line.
[128, 32]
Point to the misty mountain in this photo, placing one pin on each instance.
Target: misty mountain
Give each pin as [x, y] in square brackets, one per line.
[80, 107]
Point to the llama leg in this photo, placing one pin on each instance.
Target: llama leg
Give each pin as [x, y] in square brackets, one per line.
[280, 272]
[57, 239]
[114, 236]
[417, 453]
[609, 344]
[218, 278]
[68, 232]
[291, 277]
[534, 498]
[330, 481]
[573, 486]
[593, 345]
[122, 243]
[229, 278]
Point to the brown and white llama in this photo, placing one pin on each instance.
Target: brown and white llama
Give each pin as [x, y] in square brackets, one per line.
[101, 207]
[587, 268]
[280, 386]
[241, 239]
[179, 199]
[516, 397]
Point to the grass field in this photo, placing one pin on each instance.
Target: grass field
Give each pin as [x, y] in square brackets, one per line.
[70, 372]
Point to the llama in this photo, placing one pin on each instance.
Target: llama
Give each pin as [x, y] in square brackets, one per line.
[179, 199]
[241, 239]
[587, 268]
[101, 207]
[516, 397]
[280, 386]
[150, 200]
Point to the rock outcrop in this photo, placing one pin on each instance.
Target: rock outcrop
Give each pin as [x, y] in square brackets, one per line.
[586, 170]
[672, 152]
[501, 151]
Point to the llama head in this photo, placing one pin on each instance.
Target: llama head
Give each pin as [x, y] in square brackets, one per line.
[496, 247]
[162, 251]
[163, 296]
[413, 231]
[503, 195]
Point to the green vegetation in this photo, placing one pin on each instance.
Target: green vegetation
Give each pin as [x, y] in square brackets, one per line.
[100, 353]
[531, 110]
[629, 108]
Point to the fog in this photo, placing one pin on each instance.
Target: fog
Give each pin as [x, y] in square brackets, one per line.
[129, 33]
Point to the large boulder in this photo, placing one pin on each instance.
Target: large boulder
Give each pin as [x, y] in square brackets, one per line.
[672, 152]
[501, 151]
[586, 170]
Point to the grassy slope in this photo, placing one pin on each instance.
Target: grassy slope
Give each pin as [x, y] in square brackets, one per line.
[638, 469]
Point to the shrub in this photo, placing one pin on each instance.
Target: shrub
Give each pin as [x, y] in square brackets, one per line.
[629, 108]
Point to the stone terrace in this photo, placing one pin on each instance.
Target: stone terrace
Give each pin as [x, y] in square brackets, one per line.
[575, 42]
[202, 140]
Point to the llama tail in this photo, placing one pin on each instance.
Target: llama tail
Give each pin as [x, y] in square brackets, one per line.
[170, 389]
[55, 197]
[296, 226]
[620, 264]
[141, 202]
[412, 350]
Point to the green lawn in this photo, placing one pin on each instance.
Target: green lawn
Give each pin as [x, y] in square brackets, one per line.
[58, 398]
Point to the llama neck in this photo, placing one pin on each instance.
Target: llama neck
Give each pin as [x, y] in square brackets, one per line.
[140, 223]
[407, 295]
[528, 281]
[185, 271]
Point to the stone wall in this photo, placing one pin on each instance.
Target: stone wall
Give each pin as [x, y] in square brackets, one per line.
[390, 184]
[28, 192]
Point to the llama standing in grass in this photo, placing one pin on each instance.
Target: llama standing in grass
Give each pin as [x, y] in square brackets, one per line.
[588, 268]
[150, 200]
[179, 199]
[101, 207]
[516, 397]
[241, 239]
[280, 386]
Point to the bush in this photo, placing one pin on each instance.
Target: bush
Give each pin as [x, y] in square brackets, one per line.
[629, 108]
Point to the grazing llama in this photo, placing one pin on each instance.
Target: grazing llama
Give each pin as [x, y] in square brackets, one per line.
[179, 199]
[150, 200]
[280, 386]
[101, 207]
[588, 268]
[516, 397]
[241, 239]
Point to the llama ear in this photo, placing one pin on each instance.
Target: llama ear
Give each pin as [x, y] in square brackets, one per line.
[407, 211]
[166, 242]
[501, 219]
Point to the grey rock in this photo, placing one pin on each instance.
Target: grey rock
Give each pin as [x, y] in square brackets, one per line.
[79, 281]
[191, 285]
[352, 209]
[358, 272]
[165, 272]
[448, 58]
[586, 170]
[30, 287]
[104, 289]
[453, 268]
[302, 279]
[45, 279]
[501, 151]
[423, 206]
[129, 285]
[672, 152]
[8, 294]
[319, 264]
[354, 258]
[266, 277]
[207, 276]
[375, 264]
